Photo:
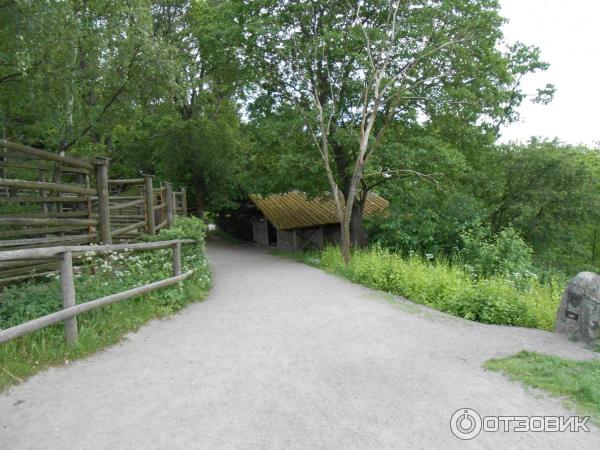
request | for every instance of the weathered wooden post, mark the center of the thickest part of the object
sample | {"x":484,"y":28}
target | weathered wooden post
{"x":103,"y":206}
{"x":161,"y":201}
{"x":169,"y":198}
{"x":68,"y":295}
{"x":183,"y":202}
{"x":149,"y":204}
{"x":90,"y":209}
{"x":81,"y":180}
{"x":43,"y":193}
{"x":177,"y":258}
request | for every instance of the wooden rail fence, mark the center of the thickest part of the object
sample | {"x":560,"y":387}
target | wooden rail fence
{"x":71,"y":310}
{"x":47,"y":199}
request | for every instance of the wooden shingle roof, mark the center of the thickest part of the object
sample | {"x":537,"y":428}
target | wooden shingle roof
{"x":296,"y":210}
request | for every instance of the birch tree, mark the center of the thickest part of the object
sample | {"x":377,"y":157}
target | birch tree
{"x":352,"y":68}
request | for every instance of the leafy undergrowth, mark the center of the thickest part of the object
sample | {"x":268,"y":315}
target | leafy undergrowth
{"x":449,"y":288}
{"x":105,"y":326}
{"x":577,"y":381}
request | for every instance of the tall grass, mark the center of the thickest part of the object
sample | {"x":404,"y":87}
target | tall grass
{"x":451,"y":288}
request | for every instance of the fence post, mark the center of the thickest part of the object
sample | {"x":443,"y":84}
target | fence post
{"x":43,"y":193}
{"x":103,"y":209}
{"x":183,"y":203}
{"x":68,"y":295}
{"x":177,"y":258}
{"x":161,"y":200}
{"x":149,"y":204}
{"x":169,"y":198}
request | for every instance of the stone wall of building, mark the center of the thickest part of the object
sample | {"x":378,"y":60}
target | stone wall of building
{"x":260,"y":231}
{"x":285,"y":240}
{"x":303,"y":238}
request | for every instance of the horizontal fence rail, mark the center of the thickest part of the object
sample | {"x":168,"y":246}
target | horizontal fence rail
{"x":68,"y":200}
{"x":39,"y":253}
{"x":71,"y":310}
{"x":42,"y":154}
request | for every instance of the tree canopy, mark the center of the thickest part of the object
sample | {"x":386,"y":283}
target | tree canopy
{"x":404,"y":98}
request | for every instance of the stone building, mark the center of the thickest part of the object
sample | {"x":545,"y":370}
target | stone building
{"x":293,"y":221}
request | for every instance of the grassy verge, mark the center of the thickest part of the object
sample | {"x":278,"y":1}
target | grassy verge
{"x":106,"y":326}
{"x":447,"y":288}
{"x":577,"y":381}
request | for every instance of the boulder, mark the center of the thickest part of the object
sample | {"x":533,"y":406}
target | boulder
{"x":579,"y":312}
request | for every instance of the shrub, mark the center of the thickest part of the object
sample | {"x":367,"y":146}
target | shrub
{"x":450,"y":288}
{"x":183,"y":228}
{"x":505,"y":253}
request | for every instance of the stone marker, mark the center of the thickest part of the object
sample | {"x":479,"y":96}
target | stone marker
{"x":579,"y":311}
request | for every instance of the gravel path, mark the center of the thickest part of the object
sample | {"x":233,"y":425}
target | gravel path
{"x":283,"y":355}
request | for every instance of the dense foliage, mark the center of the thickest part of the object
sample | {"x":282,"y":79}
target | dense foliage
{"x":440,"y":285}
{"x":227,"y":97}
{"x":101,"y":276}
{"x":151,"y":84}
{"x":355,"y":70}
{"x":546,"y":192}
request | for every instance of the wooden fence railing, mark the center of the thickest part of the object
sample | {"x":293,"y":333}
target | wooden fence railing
{"x":48,"y":199}
{"x":71,"y":310}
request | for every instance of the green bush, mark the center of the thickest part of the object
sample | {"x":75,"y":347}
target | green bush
{"x":183,"y":228}
{"x":450,"y":288}
{"x":505,"y":253}
{"x":114,"y":273}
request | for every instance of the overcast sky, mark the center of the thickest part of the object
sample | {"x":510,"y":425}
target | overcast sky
{"x":568,"y":33}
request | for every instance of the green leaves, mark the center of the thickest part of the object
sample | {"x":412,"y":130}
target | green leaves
{"x":82,"y":65}
{"x":449,"y":288}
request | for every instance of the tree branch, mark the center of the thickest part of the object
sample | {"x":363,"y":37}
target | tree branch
{"x":10,"y":77}
{"x":110,"y":102}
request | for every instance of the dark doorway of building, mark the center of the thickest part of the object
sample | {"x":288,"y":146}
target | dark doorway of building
{"x":272,"y":231}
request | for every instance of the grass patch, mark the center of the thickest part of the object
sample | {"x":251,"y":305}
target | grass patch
{"x":105,"y":326}
{"x":446,"y":287}
{"x":577,"y":381}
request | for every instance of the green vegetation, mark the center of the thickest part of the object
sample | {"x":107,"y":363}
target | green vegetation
{"x":545,"y":192}
{"x":105,"y":326}
{"x":236,"y":97}
{"x":225,"y":97}
{"x":577,"y":381}
{"x":450,"y":288}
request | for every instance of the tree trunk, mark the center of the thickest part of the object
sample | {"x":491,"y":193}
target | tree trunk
{"x":345,"y":241}
{"x":360,"y":237}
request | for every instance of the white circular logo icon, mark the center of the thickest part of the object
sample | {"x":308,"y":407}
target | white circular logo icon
{"x":465,"y":424}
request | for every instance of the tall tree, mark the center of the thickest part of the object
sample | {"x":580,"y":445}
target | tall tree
{"x":352,"y":68}
{"x":72,"y":70}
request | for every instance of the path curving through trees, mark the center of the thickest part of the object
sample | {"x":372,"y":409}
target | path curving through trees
{"x":283,"y":355}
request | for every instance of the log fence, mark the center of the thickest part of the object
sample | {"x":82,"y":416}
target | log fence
{"x":48,"y":199}
{"x":70,"y":309}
